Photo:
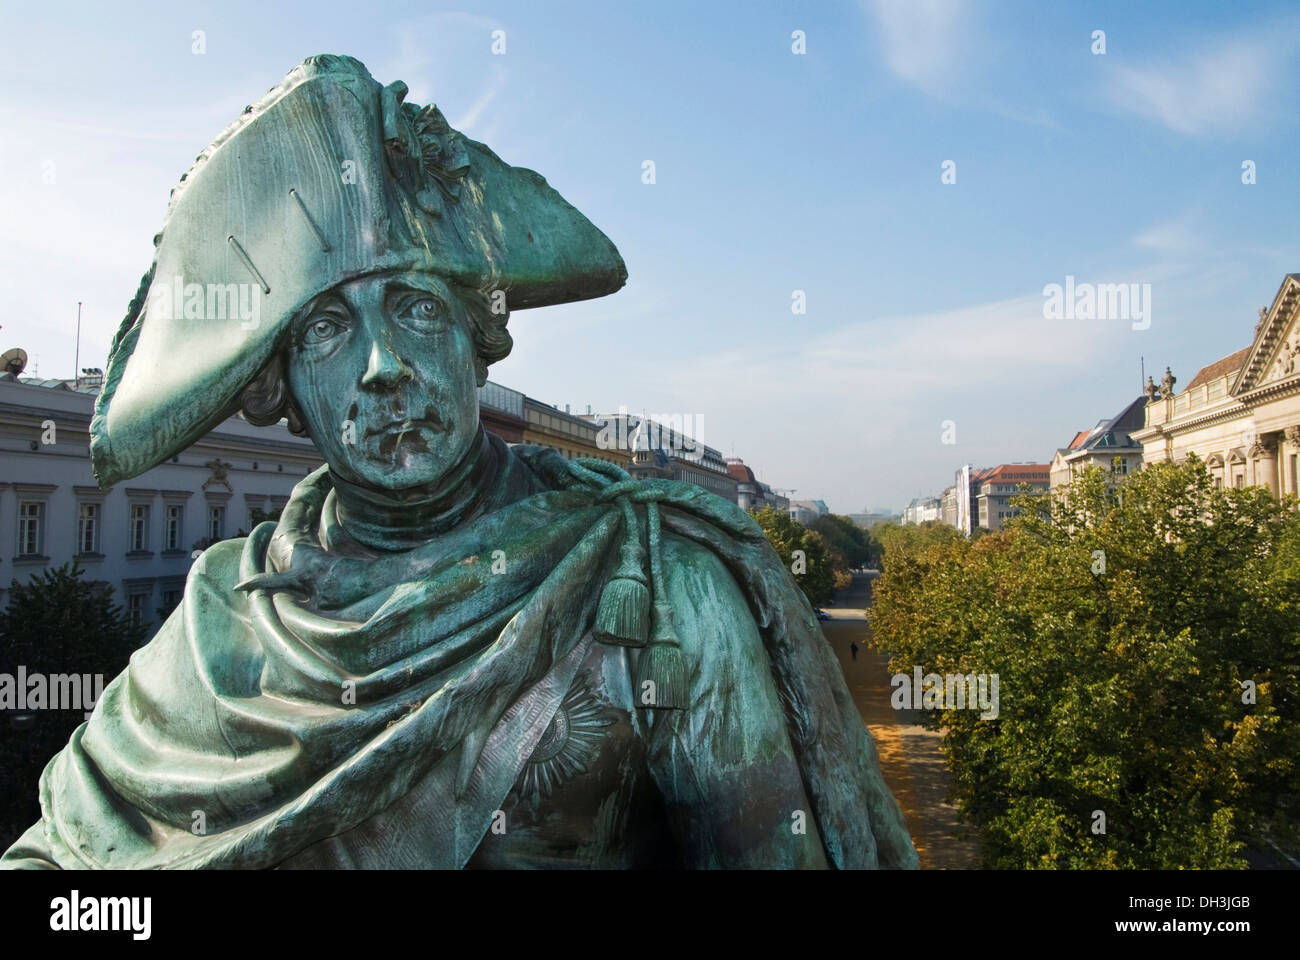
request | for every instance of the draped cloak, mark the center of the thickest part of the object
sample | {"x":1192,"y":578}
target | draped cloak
{"x":389,"y":702}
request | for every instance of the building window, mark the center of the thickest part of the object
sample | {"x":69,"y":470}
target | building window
{"x":88,"y":528}
{"x":216,"y":521}
{"x":171,"y":600}
{"x":1240,"y":481}
{"x":174,"y":514}
{"x":135,"y":608}
{"x":139,"y":526}
{"x":31,"y":513}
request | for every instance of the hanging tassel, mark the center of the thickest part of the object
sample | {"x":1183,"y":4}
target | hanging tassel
{"x":662,"y":678}
{"x":623,"y":617}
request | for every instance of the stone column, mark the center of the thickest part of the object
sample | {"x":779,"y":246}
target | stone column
{"x":1263,"y":458}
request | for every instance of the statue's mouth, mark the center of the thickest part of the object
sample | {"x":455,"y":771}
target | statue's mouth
{"x":431,"y":421}
{"x":409,"y":434}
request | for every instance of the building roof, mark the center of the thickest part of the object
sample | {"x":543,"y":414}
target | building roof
{"x":740,"y":472}
{"x":1220,"y":368}
{"x":1116,"y":431}
{"x":1019,"y":473}
{"x":1077,"y":442}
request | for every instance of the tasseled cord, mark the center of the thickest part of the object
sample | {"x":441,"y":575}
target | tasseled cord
{"x":624,"y":617}
{"x":662,"y":680}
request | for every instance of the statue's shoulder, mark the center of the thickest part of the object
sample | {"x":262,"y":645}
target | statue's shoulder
{"x":219,"y":563}
{"x":711,"y":610}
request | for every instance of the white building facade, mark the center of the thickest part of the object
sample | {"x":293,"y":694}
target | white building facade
{"x":139,"y":536}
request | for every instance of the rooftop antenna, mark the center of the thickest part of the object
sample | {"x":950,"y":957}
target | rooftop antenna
{"x":76,"y":364}
{"x":1142,"y":378}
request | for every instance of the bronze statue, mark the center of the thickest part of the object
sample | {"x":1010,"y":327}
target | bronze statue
{"x":447,"y":652}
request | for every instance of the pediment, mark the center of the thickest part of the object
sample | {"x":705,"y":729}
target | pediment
{"x":1275,"y":354}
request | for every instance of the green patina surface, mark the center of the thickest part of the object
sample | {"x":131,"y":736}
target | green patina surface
{"x":447,"y":652}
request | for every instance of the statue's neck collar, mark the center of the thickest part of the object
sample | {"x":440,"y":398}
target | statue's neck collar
{"x":401,"y":519}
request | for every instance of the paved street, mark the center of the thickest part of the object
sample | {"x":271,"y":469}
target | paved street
{"x":909,"y":753}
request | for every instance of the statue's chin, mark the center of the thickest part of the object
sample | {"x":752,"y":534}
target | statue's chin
{"x":400,"y":473}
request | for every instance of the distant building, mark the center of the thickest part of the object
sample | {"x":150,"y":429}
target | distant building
{"x":807,"y":511}
{"x":948,"y":506}
{"x":501,"y":411}
{"x":659,"y":450}
{"x":996,"y":487}
{"x":570,"y":435}
{"x":868,"y":520}
{"x":776,"y":500}
{"x":923,"y":510}
{"x":752,"y":494}
{"x":1240,"y":414}
{"x":1109,"y":445}
{"x":138,"y":536}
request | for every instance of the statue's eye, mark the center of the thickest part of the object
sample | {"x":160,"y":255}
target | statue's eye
{"x":421,"y":310}
{"x":321,"y":329}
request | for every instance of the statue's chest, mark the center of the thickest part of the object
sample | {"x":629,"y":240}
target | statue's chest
{"x":585,"y":797}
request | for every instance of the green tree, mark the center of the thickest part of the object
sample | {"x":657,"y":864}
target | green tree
{"x":1130,"y":628}
{"x":898,"y":540}
{"x":846,"y":539}
{"x":814,"y":569}
{"x":56,"y":623}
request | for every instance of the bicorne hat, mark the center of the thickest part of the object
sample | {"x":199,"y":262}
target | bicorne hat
{"x":328,"y":177}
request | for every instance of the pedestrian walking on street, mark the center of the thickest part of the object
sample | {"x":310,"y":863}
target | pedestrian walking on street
{"x":853,"y":649}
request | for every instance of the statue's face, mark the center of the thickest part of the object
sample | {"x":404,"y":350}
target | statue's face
{"x":382,"y":368}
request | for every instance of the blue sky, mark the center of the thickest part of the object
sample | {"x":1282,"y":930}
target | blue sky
{"x":775,"y":172}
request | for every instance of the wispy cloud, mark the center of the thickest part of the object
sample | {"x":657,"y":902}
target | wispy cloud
{"x":1220,"y":88}
{"x":467,"y":120}
{"x":1185,"y":233}
{"x":925,"y":41}
{"x":943,"y":48}
{"x":887,"y":385}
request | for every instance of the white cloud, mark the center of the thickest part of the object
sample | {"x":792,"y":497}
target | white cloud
{"x":466,"y":121}
{"x":924,"y":41}
{"x":1183,"y":234}
{"x":1220,"y":88}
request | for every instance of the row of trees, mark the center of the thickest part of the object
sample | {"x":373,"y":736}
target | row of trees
{"x":821,"y":555}
{"x":1147,"y":643}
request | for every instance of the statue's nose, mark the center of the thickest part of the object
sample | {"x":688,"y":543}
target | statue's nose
{"x":384,"y":368}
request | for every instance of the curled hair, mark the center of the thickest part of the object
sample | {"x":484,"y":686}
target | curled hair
{"x":267,"y":399}
{"x":492,"y":341}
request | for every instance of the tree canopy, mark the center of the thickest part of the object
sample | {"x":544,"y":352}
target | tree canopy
{"x":1147,"y":641}
{"x":814,"y":570}
{"x":56,"y":623}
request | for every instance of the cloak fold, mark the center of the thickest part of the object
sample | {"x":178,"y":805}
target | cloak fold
{"x":258,"y":723}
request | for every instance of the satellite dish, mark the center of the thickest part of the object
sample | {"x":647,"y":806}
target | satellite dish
{"x":13,"y":361}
